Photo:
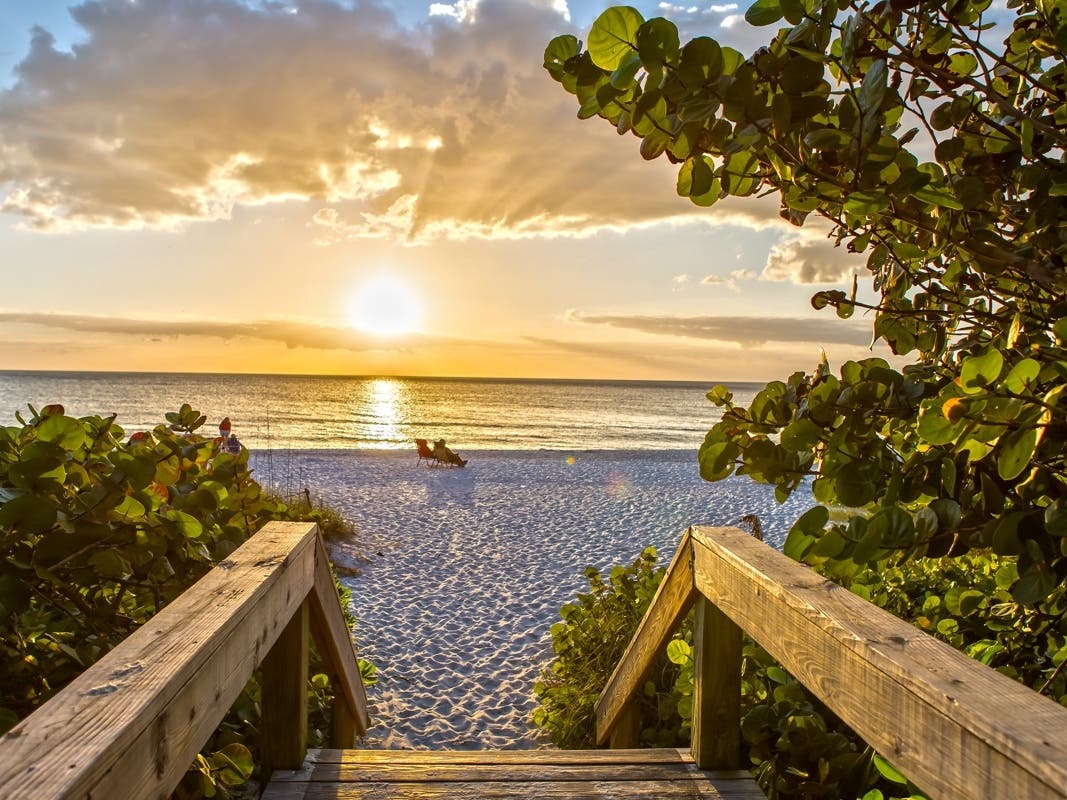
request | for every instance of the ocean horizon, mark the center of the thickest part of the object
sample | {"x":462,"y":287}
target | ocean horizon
{"x":313,"y":412}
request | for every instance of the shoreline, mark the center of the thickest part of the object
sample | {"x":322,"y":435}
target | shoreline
{"x":463,"y":571}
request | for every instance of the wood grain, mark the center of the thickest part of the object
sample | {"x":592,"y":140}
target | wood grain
{"x":130,"y":725}
{"x":955,"y":727}
{"x":285,"y":696}
{"x":716,"y":689}
{"x":672,"y":602}
{"x":468,"y":775}
{"x":334,"y":642}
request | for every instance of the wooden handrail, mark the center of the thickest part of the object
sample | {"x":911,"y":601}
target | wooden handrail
{"x":130,"y":725}
{"x":955,"y":727}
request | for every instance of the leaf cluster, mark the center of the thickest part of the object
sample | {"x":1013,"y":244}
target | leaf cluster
{"x":588,"y":643}
{"x":967,"y":446}
{"x":99,"y":531}
{"x":797,"y":747}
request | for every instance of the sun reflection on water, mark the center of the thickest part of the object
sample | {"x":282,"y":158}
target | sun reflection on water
{"x":381,"y":406}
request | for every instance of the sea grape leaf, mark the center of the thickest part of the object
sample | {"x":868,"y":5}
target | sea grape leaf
{"x":614,"y":36}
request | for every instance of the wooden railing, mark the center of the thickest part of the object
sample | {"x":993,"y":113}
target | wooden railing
{"x":130,"y":725}
{"x":955,"y":727}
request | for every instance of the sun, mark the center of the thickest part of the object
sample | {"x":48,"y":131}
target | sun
{"x":385,"y":306}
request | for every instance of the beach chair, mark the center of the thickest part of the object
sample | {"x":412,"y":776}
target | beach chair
{"x":425,"y":452}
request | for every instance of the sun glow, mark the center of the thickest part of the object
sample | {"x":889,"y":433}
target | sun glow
{"x":385,"y":307}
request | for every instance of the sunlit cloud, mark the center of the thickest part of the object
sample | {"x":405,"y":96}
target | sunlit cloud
{"x":170,"y":112}
{"x":744,"y":331}
{"x":810,"y":258}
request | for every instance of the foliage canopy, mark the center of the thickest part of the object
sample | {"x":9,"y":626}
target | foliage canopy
{"x":939,"y":154}
{"x":98,"y":532}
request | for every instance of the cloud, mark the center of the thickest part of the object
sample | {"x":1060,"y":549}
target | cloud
{"x":745,"y":331}
{"x":810,"y":258}
{"x":731,"y":281}
{"x":291,"y":334}
{"x":170,"y":112}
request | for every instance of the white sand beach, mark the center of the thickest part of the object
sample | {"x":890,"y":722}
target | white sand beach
{"x":463,"y":571}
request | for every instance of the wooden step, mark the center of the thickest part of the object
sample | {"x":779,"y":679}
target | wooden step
{"x":472,"y":774}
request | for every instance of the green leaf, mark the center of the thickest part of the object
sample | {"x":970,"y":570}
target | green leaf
{"x":805,"y":532}
{"x":185,"y":524}
{"x":764,"y":12}
{"x":679,"y":651}
{"x":888,"y":771}
{"x":657,"y":42}
{"x":981,"y":371}
{"x":66,"y":432}
{"x":14,"y":595}
{"x":28,"y":513}
{"x":873,"y":90}
{"x":701,"y":63}
{"x":1022,"y":375}
{"x":1015,"y":451}
{"x":614,"y":36}
{"x":623,"y":76}
{"x":893,"y":526}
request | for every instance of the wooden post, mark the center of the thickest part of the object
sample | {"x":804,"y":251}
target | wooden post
{"x":342,"y":723}
{"x":284,"y":697}
{"x":716,"y":689}
{"x":627,"y":731}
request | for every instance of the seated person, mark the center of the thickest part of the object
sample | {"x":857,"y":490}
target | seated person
{"x":443,"y":454}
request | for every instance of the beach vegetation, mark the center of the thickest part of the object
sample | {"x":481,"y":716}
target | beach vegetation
{"x":929,"y":138}
{"x":101,"y":530}
{"x":588,"y":642}
{"x":906,"y":134}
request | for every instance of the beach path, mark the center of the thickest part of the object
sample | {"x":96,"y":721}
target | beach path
{"x":471,"y":775}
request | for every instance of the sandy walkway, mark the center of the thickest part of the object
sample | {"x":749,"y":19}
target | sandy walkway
{"x":468,"y":569}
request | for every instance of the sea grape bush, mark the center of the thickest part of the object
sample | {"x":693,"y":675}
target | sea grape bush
{"x":796,"y":746}
{"x":839,"y":116}
{"x":588,"y":642}
{"x":99,"y":531}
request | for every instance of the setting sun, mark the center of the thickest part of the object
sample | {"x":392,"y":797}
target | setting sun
{"x":385,"y":307}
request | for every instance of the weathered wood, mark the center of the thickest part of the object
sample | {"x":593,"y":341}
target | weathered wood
{"x":285,"y":696}
{"x":649,"y":755}
{"x":955,"y":727}
{"x":469,"y":775}
{"x":519,"y":790}
{"x":342,"y":723}
{"x":626,"y":732}
{"x":130,"y":725}
{"x":668,"y":608}
{"x":716,"y":689}
{"x":334,"y":642}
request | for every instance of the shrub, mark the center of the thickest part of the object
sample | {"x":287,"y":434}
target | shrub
{"x":796,"y":746}
{"x":97,"y":533}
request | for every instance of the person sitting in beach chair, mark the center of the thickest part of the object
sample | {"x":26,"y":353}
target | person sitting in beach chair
{"x":425,"y":453}
{"x":446,"y":456}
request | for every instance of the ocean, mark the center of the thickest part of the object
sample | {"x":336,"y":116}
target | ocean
{"x":294,"y":412}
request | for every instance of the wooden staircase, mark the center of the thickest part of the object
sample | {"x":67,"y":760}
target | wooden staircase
{"x":467,"y":775}
{"x":130,"y":725}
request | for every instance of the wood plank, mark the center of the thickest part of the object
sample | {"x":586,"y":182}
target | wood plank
{"x":668,"y":755}
{"x":130,"y":725}
{"x":285,"y":696}
{"x":957,"y":728}
{"x":517,"y":790}
{"x":668,"y":608}
{"x":412,"y":772}
{"x":334,"y":642}
{"x":716,"y":689}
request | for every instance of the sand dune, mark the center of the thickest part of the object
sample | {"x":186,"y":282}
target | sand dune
{"x":463,"y":571}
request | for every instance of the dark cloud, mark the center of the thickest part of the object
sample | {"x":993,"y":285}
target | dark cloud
{"x":747,"y":331}
{"x":291,"y":334}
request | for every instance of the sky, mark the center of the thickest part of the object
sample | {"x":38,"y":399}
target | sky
{"x":372,"y":188}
